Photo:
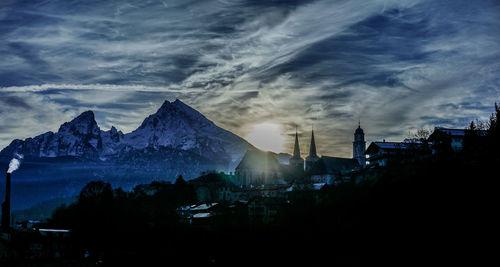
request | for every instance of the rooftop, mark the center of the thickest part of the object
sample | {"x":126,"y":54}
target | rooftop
{"x":454,"y":132}
{"x":394,"y":146}
{"x":334,"y":164}
{"x":259,"y":160}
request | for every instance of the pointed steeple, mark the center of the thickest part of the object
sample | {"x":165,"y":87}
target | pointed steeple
{"x":296,"y":148}
{"x":313,"y":157}
{"x":312,"y":147}
{"x":296,"y":162}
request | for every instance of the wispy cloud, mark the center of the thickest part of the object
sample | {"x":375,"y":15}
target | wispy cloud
{"x":100,"y":87}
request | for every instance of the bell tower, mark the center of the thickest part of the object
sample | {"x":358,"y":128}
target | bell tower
{"x":359,"y":146}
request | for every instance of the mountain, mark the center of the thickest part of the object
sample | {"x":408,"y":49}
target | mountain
{"x":79,"y":137}
{"x":175,"y":140}
{"x":175,"y":125}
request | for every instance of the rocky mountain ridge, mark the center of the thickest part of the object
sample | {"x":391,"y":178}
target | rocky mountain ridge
{"x":175,"y":127}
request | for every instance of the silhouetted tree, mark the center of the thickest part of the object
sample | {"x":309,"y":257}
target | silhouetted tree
{"x":180,"y":181}
{"x":97,"y":192}
{"x":494,"y":130}
{"x":471,"y":144}
{"x":494,"y":124}
{"x":420,"y":134}
{"x":472,"y":126}
{"x":185,"y":193}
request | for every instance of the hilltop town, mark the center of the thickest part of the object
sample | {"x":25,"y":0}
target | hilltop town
{"x":261,"y":181}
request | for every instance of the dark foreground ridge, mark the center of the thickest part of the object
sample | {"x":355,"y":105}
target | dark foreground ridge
{"x":432,"y":211}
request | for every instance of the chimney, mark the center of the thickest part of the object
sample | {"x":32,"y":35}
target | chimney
{"x":6,"y":206}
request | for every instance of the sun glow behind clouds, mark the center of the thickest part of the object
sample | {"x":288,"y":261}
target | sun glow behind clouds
{"x":267,"y":136}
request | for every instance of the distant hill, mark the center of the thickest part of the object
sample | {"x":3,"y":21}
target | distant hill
{"x":43,"y":210}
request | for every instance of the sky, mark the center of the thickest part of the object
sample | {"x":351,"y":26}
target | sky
{"x":395,"y":65}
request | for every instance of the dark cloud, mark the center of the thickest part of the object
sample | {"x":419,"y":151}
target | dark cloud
{"x":15,"y":102}
{"x":247,"y":95}
{"x":363,"y":52}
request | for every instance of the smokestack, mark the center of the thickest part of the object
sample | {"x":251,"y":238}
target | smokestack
{"x":6,"y":206}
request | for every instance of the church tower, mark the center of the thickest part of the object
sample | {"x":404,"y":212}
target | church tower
{"x":359,"y":146}
{"x":296,"y":161}
{"x":312,"y":158}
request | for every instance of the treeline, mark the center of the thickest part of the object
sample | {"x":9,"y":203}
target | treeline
{"x":105,"y":221}
{"x":483,"y":137}
{"x":432,"y":210}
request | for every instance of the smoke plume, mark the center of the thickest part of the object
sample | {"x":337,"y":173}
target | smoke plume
{"x":15,"y":163}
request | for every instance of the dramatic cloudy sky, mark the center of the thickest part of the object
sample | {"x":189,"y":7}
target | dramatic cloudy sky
{"x":397,"y":65}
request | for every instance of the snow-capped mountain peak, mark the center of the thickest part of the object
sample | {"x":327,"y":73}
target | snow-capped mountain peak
{"x":79,"y":137}
{"x":175,"y":111}
{"x":83,"y":124}
{"x":175,"y":125}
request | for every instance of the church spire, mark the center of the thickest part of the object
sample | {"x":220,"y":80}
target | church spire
{"x":296,"y":162}
{"x":296,"y":148}
{"x":312,"y":147}
{"x":313,"y":157}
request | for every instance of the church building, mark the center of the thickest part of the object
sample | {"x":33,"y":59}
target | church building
{"x":359,"y":146}
{"x":326,"y":169}
{"x":257,"y":167}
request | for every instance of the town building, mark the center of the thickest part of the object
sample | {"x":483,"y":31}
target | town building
{"x":215,"y":187}
{"x":445,"y":139}
{"x":333,"y":170}
{"x":265,"y":209}
{"x":382,"y":153}
{"x":197,"y":214}
{"x":258,"y":167}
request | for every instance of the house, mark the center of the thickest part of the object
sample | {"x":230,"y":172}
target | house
{"x":197,"y":214}
{"x":231,"y":194}
{"x":381,"y":153}
{"x":445,"y":139}
{"x":27,"y":225}
{"x":330,"y":170}
{"x":213,"y":187}
{"x":265,"y":209}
